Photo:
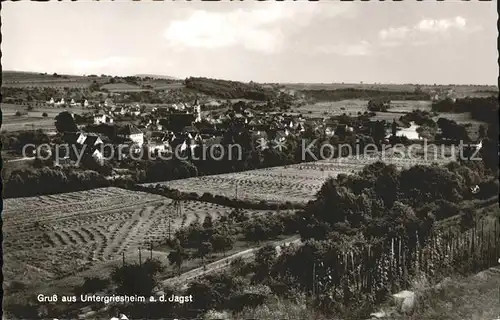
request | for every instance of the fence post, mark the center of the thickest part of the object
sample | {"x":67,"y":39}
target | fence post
{"x":489,"y":251}
{"x":474,"y":247}
{"x":496,"y":236}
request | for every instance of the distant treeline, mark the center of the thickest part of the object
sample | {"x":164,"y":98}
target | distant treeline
{"x":28,"y":182}
{"x":351,"y":93}
{"x":217,"y":199}
{"x":229,"y":89}
{"x":482,"y":109}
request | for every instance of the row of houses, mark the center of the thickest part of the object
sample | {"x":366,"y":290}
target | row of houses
{"x":107,"y":117}
{"x":72,"y":102}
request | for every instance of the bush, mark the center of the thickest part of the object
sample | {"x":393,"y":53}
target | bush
{"x":137,"y":279}
{"x":26,"y":183}
{"x":92,"y":285}
{"x":216,"y":315}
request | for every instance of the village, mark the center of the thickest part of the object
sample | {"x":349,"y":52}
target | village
{"x":163,"y":129}
{"x":235,"y":161}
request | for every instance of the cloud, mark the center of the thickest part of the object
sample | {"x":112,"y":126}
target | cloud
{"x":441,"y":25}
{"x":418,"y":33}
{"x":394,"y":33}
{"x":259,"y":29}
{"x":363,"y":48}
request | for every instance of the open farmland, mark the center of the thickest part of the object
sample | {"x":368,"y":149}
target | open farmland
{"x":296,"y":183}
{"x":58,"y":84}
{"x":353,"y":106}
{"x":333,"y":108}
{"x":27,"y":80}
{"x":163,"y":84}
{"x":18,"y":79}
{"x":388,"y":116}
{"x":410,"y":105}
{"x":52,"y":111}
{"x":122,"y":87}
{"x":33,"y":119}
{"x":54,"y":236}
{"x":360,"y":86}
{"x":15,"y":123}
{"x":460,"y":90}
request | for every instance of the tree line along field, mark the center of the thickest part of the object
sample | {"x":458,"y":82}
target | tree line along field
{"x":472,"y":125}
{"x":297,"y":183}
{"x":56,"y":236}
{"x":460,"y":89}
{"x":146,"y":85}
{"x":18,"y":79}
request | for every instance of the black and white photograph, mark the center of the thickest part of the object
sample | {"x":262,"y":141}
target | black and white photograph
{"x":234,"y":160}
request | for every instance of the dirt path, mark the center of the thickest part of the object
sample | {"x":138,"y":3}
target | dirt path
{"x":183,"y":280}
{"x":21,"y":159}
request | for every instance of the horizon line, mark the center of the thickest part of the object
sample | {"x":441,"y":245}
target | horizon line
{"x":176,"y":78}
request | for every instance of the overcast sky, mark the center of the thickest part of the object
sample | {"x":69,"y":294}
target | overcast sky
{"x":405,"y":42}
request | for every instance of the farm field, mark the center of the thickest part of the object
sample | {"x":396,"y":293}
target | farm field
{"x":11,"y":109}
{"x":410,"y":105}
{"x":352,"y":107}
{"x":163,"y":85}
{"x":122,"y":87}
{"x":19,"y":79}
{"x":56,"y":236}
{"x":15,"y":123}
{"x":462,"y":90}
{"x":79,"y":84}
{"x":333,"y":108}
{"x":388,"y":116}
{"x":33,"y":119}
{"x":336,"y":86}
{"x":296,"y":183}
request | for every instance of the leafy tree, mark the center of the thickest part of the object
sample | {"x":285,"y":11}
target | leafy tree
{"x":237,"y":215}
{"x":208,"y":223}
{"x":65,"y":122}
{"x":387,"y":185}
{"x":256,"y":231}
{"x":265,"y":258}
{"x":378,"y":131}
{"x":211,"y":297}
{"x":92,"y":285}
{"x":136,"y":279}
{"x":222,"y":241}
{"x":378,"y":105}
{"x":203,"y":250}
{"x":451,"y":130}
{"x":482,"y":131}
{"x":177,"y":257}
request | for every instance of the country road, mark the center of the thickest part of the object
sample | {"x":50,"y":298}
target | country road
{"x":181,"y":282}
{"x":21,"y":159}
{"x":184,"y":279}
